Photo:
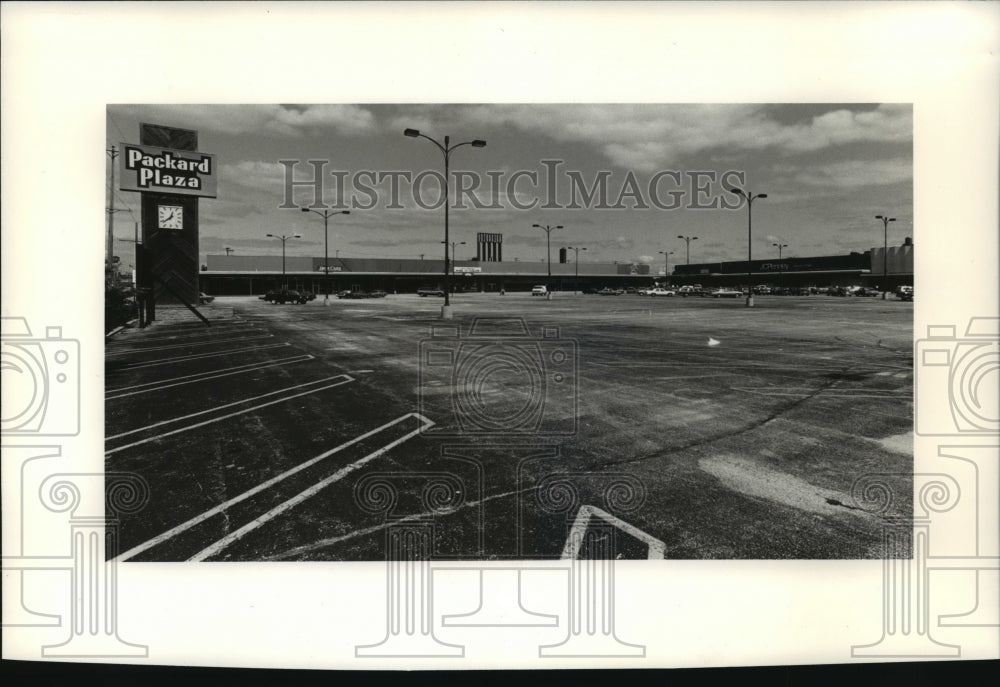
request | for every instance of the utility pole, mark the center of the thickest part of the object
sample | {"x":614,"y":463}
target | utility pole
{"x":113,"y":154}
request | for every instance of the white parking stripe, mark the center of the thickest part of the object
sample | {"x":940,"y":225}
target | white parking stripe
{"x":138,"y":338}
{"x":227,"y":405}
{"x":300,"y":497}
{"x":197,"y":356}
{"x":171,"y":533}
{"x":201,"y":376}
{"x":187,"y":428}
{"x":189,"y":345}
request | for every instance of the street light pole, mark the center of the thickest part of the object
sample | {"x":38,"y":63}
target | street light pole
{"x":780,"y":264}
{"x":548,"y":240}
{"x":326,"y":215}
{"x":284,"y":283}
{"x":885,"y":249}
{"x":576,"y":265}
{"x":453,"y":244}
{"x":666,"y":258}
{"x":688,"y":240}
{"x":446,"y":150}
{"x":750,"y":198}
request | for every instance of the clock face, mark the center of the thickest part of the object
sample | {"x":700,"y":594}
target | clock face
{"x":170,"y":217}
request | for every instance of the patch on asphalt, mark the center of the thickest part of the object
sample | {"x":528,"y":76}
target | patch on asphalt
{"x":759,"y":481}
{"x":898,"y":443}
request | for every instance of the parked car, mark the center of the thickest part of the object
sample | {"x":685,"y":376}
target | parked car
{"x":726,"y":293}
{"x":539,"y":290}
{"x":660,"y":291}
{"x":608,"y":291}
{"x":378,"y":293}
{"x":905,"y":293}
{"x":430,"y":291}
{"x":289,"y":296}
{"x":204,"y":298}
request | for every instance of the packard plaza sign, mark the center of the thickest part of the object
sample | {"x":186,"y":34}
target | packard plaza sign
{"x":163,"y":170}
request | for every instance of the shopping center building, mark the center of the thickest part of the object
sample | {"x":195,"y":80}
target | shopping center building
{"x":231,"y":275}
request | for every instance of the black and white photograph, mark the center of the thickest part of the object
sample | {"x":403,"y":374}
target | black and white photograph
{"x":629,"y":331}
{"x":423,"y":336}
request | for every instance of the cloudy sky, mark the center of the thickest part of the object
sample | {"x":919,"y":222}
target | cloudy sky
{"x":827,"y":171}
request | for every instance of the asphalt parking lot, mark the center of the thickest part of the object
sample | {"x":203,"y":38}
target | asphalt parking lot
{"x":702,"y":428}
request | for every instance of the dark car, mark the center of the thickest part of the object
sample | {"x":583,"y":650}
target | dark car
{"x":289,"y":296}
{"x":430,"y":291}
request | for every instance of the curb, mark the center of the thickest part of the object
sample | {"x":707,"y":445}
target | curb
{"x":118,"y":329}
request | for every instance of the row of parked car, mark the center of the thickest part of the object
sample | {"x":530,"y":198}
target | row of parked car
{"x":683,"y":292}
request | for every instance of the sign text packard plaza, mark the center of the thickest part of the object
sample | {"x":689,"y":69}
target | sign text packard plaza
{"x":148,"y":168}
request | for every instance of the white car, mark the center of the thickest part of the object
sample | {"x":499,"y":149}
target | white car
{"x":539,"y":291}
{"x":726,"y":293}
{"x":660,"y":291}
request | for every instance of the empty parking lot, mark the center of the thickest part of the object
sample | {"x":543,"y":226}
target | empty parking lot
{"x":305,"y":432}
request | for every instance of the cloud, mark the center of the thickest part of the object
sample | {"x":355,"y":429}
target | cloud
{"x":650,"y":137}
{"x":289,"y":120}
{"x":857,"y":173}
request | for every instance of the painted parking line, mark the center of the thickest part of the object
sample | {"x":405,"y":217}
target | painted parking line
{"x":303,"y":495}
{"x":138,"y":338}
{"x":199,"y":356}
{"x":173,"y":532}
{"x":344,"y":379}
{"x":188,"y":345}
{"x":571,"y":549}
{"x":201,"y":376}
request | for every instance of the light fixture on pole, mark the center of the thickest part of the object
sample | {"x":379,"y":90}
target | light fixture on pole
{"x":548,"y":241}
{"x":446,"y":150}
{"x":666,"y":258}
{"x":885,"y":249}
{"x":781,"y":265}
{"x":326,"y":215}
{"x":284,"y":284}
{"x":576,"y":264}
{"x":687,"y":240}
{"x":229,"y":251}
{"x":453,"y":244}
{"x":750,"y":198}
